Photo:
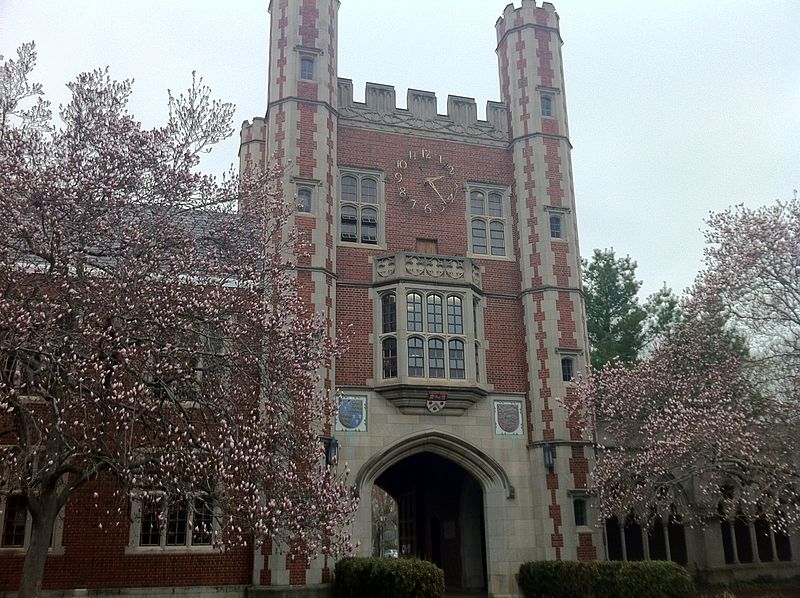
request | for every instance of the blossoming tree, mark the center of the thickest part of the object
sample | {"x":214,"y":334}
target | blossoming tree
{"x":150,"y":333}
{"x":707,"y":424}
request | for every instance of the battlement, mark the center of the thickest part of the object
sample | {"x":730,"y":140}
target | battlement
{"x":253,"y":131}
{"x":380,"y":107}
{"x":527,"y":14}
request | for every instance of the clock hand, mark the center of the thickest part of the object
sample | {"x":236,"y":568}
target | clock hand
{"x":430,"y":181}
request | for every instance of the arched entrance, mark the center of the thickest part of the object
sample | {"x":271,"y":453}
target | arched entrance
{"x":440,"y":516}
{"x":444,"y":487}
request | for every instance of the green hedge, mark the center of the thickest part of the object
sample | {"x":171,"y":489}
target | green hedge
{"x":604,"y":579}
{"x":387,"y":578}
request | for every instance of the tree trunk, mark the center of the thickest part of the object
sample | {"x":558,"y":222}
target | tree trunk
{"x":42,"y":524}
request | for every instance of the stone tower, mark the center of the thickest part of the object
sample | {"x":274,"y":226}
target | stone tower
{"x":532,"y":87}
{"x":299,"y":131}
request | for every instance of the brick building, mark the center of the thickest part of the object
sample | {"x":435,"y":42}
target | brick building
{"x":447,"y":249}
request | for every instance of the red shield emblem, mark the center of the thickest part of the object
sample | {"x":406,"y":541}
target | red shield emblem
{"x":508,"y":418}
{"x":436,"y":401}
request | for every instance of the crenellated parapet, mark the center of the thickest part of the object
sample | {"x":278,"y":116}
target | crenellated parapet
{"x":255,"y":131}
{"x":527,"y":14}
{"x":380,"y":110}
{"x":252,"y":143}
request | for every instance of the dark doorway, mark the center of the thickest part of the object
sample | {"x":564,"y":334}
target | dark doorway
{"x":440,"y":517}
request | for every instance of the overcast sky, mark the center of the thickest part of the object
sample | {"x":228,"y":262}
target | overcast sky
{"x":676,"y":108}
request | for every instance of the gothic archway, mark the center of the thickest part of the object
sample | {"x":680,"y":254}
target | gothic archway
{"x":442,"y":485}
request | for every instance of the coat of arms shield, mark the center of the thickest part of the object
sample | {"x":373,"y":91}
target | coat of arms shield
{"x":508,"y":417}
{"x":351,"y":412}
{"x":436,"y":401}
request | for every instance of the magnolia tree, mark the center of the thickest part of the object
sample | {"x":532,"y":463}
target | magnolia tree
{"x":753,"y":280}
{"x":707,"y":424}
{"x":148,"y":332}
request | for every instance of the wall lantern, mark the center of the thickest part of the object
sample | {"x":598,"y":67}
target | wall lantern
{"x":331,"y":449}
{"x":549,"y":453}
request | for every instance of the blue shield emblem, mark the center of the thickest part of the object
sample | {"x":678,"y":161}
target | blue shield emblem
{"x":351,"y":412}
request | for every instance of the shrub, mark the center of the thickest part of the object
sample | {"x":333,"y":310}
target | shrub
{"x":555,"y":579}
{"x":604,"y":579}
{"x":658,"y":579}
{"x":387,"y":578}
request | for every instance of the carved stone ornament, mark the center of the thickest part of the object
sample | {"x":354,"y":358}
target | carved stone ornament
{"x":415,"y":266}
{"x":385,"y":267}
{"x":436,"y":401}
{"x":435,"y":268}
{"x":454,"y":269}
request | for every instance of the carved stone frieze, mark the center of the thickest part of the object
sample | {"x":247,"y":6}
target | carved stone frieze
{"x":432,"y":268}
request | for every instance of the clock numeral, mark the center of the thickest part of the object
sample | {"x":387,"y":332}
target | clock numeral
{"x":413,"y":203}
{"x":451,"y":170}
{"x":402,"y":163}
{"x":403,"y":192}
{"x":441,"y":160}
{"x":428,"y":208}
{"x":412,"y":155}
{"x":442,"y":207}
{"x":451,"y":198}
{"x":426,"y":153}
{"x":398,"y":177}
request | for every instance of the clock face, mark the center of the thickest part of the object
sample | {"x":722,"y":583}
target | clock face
{"x":425,"y":181}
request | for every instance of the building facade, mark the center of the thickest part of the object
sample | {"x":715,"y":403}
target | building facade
{"x":444,"y":249}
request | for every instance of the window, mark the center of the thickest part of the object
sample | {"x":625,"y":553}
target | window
{"x":437,"y":339}
{"x":175,"y":523}
{"x":15,"y":525}
{"x":579,"y":510}
{"x":567,"y":373}
{"x":416,"y":357}
{"x":15,"y":522}
{"x":547,"y":105}
{"x":456,"y":351}
{"x":389,"y":313}
{"x":360,"y":195}
{"x":389,"y":357}
{"x":307,"y":68}
{"x":489,"y":211}
{"x":304,"y":199}
{"x":555,"y":226}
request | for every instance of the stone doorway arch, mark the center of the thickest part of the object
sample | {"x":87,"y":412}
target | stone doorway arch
{"x":451,"y":497}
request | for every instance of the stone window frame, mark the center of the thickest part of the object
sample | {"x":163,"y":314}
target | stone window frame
{"x":359,"y":206}
{"x":556,"y":226}
{"x":573,"y":356}
{"x":488,"y":219}
{"x":56,"y":542}
{"x":548,"y":107}
{"x":473,"y":335}
{"x":189,"y":546}
{"x":307,"y":56}
{"x":310,"y":185}
{"x":582,"y":495}
{"x":560,"y":213}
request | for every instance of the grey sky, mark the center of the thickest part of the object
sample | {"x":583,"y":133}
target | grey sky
{"x":676,"y":108}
